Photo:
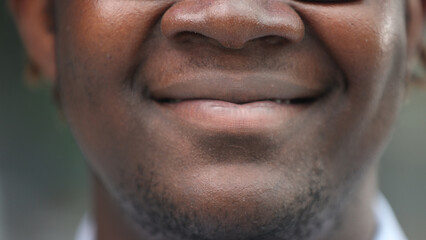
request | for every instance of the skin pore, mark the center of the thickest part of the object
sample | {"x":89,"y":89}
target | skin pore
{"x":228,"y":119}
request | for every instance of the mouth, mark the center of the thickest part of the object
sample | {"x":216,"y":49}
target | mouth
{"x":245,"y":104}
{"x":295,"y":101}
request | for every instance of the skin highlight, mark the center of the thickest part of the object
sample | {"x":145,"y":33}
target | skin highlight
{"x":228,"y":119}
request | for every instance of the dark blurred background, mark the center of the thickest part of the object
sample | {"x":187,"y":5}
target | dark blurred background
{"x":43,"y":179}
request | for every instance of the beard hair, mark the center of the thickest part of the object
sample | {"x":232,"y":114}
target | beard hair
{"x":307,"y":217}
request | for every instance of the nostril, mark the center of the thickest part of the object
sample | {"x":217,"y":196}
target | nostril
{"x":272,"y":40}
{"x":188,"y":36}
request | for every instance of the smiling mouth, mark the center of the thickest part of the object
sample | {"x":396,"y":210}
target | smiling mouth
{"x":261,"y":116}
{"x":238,"y":106}
{"x":295,"y":101}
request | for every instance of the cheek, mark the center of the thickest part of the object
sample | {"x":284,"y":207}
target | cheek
{"x":367,"y":40}
{"x":100,"y":43}
{"x":104,"y":39}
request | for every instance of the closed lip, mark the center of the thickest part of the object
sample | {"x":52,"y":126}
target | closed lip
{"x":242,"y":103}
{"x":239,"y":89}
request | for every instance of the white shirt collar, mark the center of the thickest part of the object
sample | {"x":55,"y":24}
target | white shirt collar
{"x":86,"y":229}
{"x":387,"y":229}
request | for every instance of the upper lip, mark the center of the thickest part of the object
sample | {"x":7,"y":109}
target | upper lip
{"x":238,"y":88}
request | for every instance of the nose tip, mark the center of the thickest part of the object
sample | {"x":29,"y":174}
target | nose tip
{"x":233,"y":23}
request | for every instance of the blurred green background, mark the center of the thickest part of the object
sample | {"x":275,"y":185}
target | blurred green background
{"x":43,"y":179}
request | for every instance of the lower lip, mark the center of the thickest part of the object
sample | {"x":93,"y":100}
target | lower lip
{"x":225,"y":116}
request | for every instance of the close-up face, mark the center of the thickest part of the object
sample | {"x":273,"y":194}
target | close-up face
{"x":231,"y":118}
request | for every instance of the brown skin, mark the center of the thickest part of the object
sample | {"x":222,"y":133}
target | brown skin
{"x":242,"y":167}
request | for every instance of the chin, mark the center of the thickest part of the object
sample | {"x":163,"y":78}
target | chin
{"x":220,"y":203}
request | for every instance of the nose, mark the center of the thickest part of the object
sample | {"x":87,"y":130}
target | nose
{"x":233,"y":23}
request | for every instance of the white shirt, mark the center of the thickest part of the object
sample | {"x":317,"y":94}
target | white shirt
{"x":387,"y":228}
{"x":86,"y":230}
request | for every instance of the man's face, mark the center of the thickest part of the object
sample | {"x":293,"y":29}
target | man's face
{"x":227,"y":117}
